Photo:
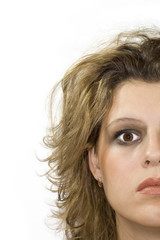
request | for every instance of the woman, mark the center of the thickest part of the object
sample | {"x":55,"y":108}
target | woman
{"x":105,"y":157}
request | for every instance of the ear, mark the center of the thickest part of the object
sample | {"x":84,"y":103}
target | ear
{"x":94,"y":164}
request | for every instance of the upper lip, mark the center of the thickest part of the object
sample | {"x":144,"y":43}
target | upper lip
{"x":148,"y":183}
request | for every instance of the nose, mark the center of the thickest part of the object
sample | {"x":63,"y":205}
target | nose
{"x":152,"y":155}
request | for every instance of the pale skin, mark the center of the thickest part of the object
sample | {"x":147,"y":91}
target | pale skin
{"x":123,"y":164}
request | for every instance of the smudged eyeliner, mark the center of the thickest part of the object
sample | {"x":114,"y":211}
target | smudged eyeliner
{"x":123,"y":131}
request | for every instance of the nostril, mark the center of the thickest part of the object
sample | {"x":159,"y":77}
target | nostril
{"x":147,"y":162}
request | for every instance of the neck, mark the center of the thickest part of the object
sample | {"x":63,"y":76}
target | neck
{"x":128,"y":230}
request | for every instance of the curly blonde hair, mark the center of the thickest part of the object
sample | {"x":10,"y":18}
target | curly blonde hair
{"x":88,"y":88}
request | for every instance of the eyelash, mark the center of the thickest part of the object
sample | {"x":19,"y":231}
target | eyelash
{"x":126,"y":131}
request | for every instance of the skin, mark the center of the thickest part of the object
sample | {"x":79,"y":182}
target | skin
{"x":123,"y":164}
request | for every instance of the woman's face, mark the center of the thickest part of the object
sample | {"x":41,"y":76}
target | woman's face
{"x":129,"y":152}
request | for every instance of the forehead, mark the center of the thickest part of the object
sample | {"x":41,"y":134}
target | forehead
{"x":135,"y":99}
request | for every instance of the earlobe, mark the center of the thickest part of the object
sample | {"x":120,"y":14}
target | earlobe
{"x":94,"y":163}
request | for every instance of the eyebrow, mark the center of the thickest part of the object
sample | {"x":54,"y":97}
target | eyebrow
{"x":124,"y":120}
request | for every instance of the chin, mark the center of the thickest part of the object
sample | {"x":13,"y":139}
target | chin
{"x":144,"y":217}
{"x":150,"y":218}
{"x":151,"y":215}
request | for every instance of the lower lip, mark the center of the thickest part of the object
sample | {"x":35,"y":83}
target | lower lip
{"x":152,"y":190}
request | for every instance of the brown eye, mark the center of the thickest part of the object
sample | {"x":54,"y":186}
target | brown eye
{"x":127,"y":137}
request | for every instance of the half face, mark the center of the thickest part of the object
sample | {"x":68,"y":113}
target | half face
{"x":129,"y":152}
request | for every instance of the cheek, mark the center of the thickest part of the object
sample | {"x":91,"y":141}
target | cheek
{"x":119,"y":171}
{"x":121,"y":175}
{"x":114,"y":175}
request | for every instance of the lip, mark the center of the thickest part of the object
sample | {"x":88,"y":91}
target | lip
{"x":150,"y":186}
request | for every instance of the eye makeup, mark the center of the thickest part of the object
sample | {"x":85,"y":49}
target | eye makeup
{"x":127,"y":136}
{"x":125,"y":131}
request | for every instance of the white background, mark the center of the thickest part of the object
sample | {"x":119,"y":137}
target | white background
{"x":39,"y":40}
